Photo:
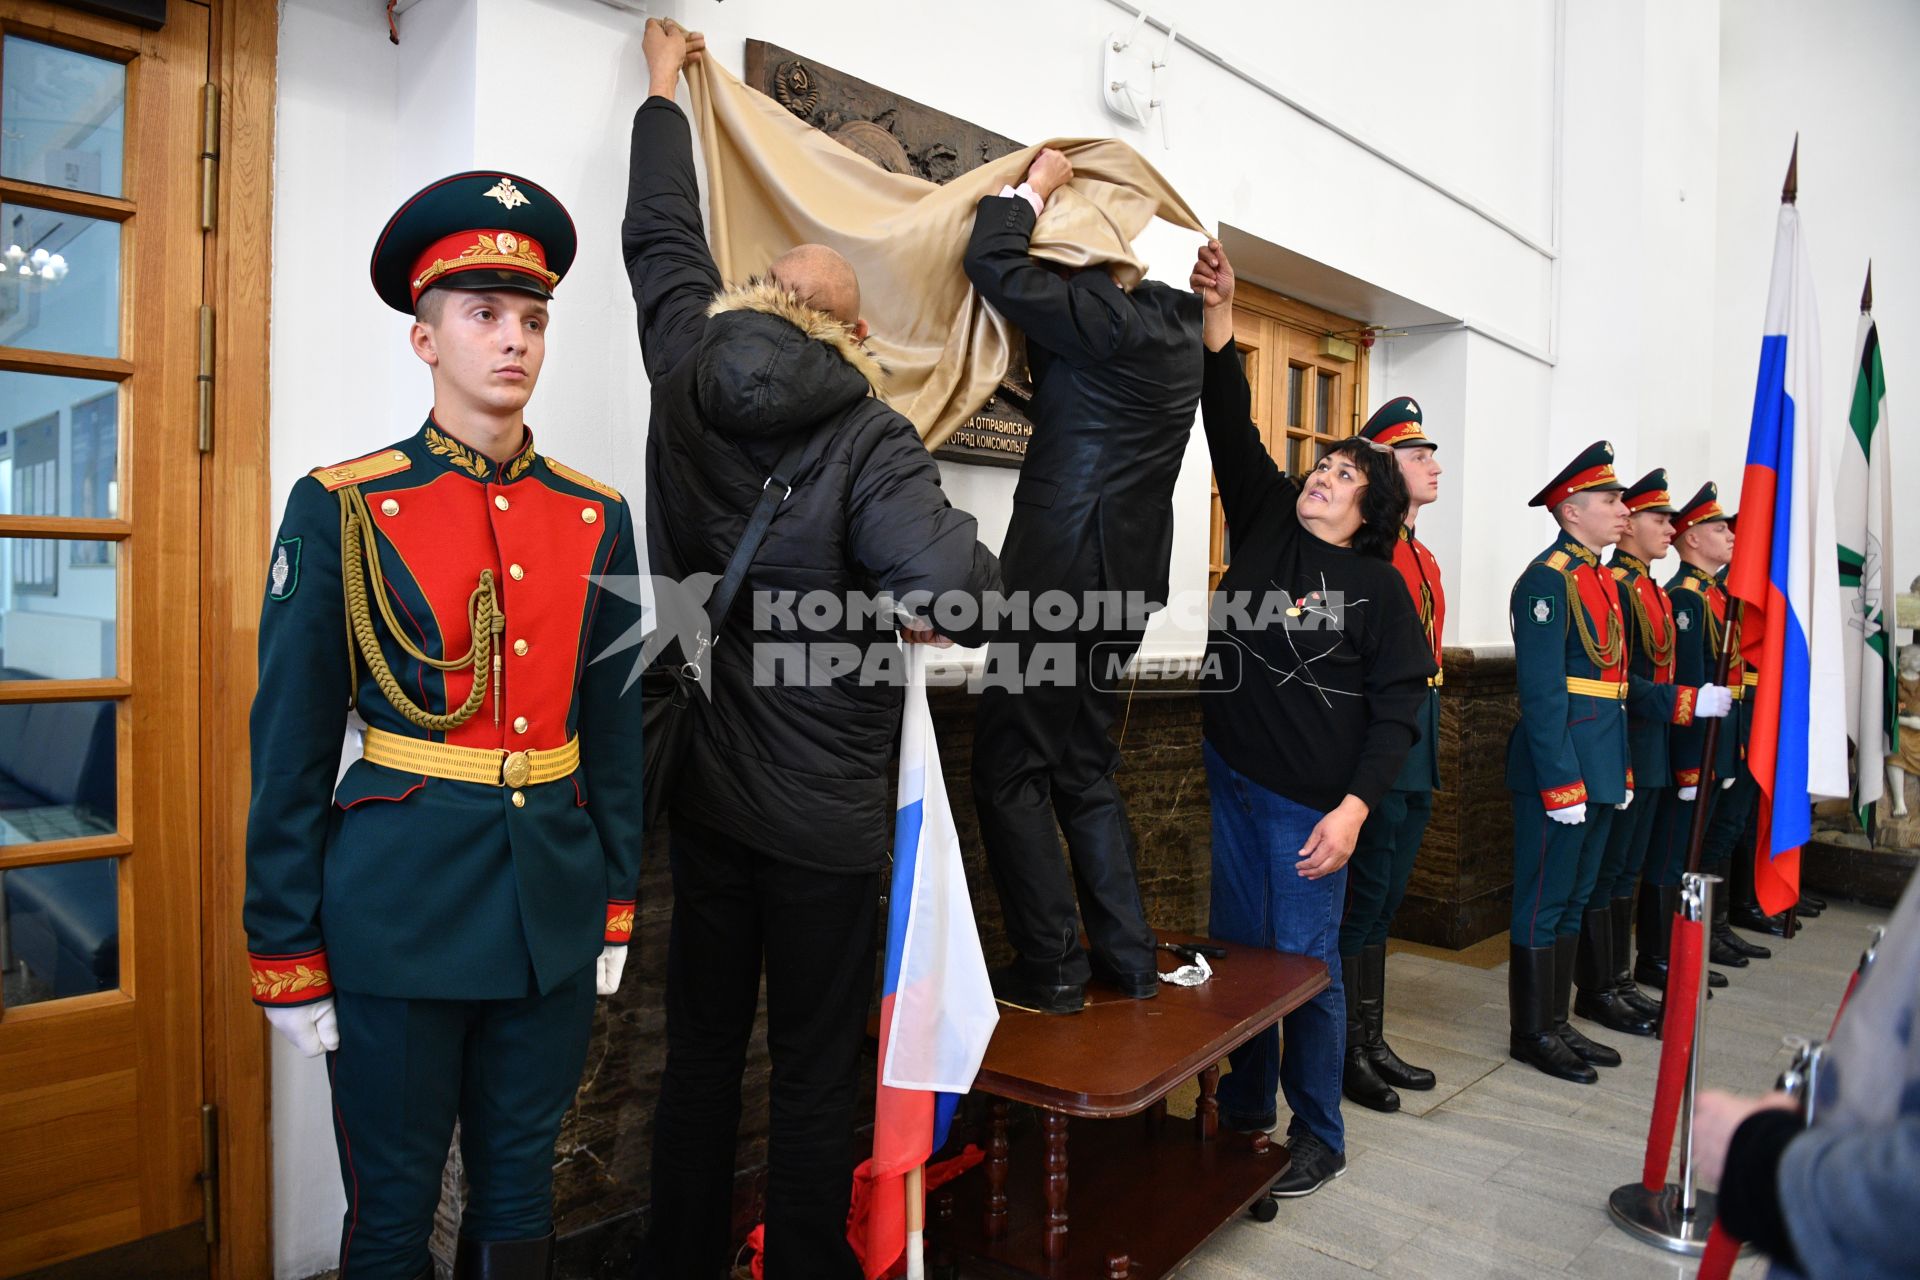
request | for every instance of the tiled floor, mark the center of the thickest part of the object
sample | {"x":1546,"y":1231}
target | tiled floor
{"x":1502,"y":1171}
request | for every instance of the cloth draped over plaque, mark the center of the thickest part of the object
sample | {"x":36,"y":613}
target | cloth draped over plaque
{"x":773,"y":181}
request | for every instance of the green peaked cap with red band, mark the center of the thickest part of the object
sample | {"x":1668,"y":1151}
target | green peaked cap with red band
{"x":1397,"y":424}
{"x":1591,"y":470}
{"x":1702,"y":508}
{"x":1649,"y":493}
{"x":484,"y":229}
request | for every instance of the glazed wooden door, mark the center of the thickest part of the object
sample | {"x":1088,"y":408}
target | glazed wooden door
{"x":100,"y":948}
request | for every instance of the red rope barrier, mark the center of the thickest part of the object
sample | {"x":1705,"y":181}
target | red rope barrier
{"x":1686,"y":954}
{"x":1721,"y":1253}
{"x":1853,"y":980}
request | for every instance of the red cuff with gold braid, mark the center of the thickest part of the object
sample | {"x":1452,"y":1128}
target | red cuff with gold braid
{"x":619,"y":923}
{"x":290,"y":980}
{"x":1629,"y":777}
{"x":1564,"y":797}
{"x":1683,"y":704}
{"x":1686,"y":777}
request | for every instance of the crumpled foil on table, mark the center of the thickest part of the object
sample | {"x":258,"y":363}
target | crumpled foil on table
{"x":1190,"y":975}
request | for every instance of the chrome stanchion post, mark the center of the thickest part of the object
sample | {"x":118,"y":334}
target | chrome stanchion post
{"x":1678,"y":1216}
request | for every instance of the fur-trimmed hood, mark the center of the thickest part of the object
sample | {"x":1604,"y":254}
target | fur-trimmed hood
{"x":769,"y":364}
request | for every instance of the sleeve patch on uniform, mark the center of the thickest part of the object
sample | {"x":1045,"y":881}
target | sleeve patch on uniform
{"x":1683,"y":619}
{"x":1540,"y":609}
{"x":283,"y":575}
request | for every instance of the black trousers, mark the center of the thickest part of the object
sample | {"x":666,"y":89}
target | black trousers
{"x":1044,"y":754}
{"x":735,"y":909}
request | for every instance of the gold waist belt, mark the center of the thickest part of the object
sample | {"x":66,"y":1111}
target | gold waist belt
{"x":489,"y":766}
{"x":1437,"y":679}
{"x":1614,"y":689}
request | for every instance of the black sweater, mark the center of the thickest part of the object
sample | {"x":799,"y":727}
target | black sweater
{"x":1323,"y":702}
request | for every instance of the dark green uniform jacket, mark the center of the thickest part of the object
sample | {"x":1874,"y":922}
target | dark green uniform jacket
{"x":1654,"y":701}
{"x":1570,"y":745}
{"x":395,"y":883}
{"x":1699,"y":622}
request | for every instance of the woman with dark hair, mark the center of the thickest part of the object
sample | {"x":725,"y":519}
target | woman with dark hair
{"x":1318,"y":668}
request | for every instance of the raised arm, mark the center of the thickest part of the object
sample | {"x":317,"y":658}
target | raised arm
{"x":1085,"y":318}
{"x":1244,"y":471}
{"x":671,"y":269}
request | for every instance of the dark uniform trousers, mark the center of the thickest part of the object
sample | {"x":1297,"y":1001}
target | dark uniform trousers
{"x":736,"y":909}
{"x":1555,"y":867}
{"x":1042,"y":753}
{"x":1381,"y":865}
{"x":393,"y":1114}
{"x":1667,"y":849}
{"x":1627,"y":844}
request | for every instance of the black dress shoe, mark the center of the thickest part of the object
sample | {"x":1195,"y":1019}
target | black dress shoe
{"x":1810,"y":903}
{"x":1638,"y":1001}
{"x":1591,"y":1052}
{"x":1750,"y":919}
{"x":1313,"y":1165}
{"x":1015,"y":989}
{"x":1612,"y":1012}
{"x":1530,"y":1011}
{"x":1751,"y":950}
{"x":530,"y":1259}
{"x":1362,"y":1084}
{"x":1722,"y":952}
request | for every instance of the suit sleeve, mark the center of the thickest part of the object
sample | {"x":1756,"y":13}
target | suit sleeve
{"x":297,"y":727}
{"x":671,"y":269}
{"x":1397,"y":664}
{"x":1245,"y":472}
{"x":903,"y":531}
{"x":1540,"y":670}
{"x":1685,"y":741}
{"x":1085,"y":319}
{"x":611,"y":719}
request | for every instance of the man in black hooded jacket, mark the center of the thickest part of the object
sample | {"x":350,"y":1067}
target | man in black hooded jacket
{"x":782,"y":816}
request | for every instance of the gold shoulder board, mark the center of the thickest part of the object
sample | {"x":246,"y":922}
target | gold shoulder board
{"x":1619,"y":573}
{"x":566,"y":472}
{"x":386,"y":462}
{"x":1559,"y":560}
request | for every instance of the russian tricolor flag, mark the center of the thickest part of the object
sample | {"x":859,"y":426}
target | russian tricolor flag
{"x":936,"y":1006}
{"x":1786,"y":571}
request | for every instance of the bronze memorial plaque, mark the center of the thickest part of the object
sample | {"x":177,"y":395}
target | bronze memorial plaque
{"x":903,"y":136}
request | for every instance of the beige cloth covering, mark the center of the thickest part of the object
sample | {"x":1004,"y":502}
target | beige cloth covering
{"x":773,"y":182}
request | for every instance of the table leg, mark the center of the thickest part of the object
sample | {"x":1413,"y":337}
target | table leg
{"x":1206,"y":1115}
{"x":996,"y":1224}
{"x":1054,"y":1125}
{"x":1119,"y":1266}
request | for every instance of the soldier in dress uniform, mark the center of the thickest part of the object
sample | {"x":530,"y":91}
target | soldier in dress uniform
{"x":1567,"y":758}
{"x":1607,"y":994}
{"x":440,"y":921}
{"x":1389,"y":841}
{"x":1700,"y":622}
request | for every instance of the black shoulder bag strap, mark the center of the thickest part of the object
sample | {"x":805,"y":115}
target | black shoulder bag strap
{"x":778,"y":486}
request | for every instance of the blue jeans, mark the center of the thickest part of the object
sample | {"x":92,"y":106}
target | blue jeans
{"x":1261,"y":900}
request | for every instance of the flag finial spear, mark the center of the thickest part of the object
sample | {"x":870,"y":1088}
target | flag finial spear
{"x":1790,"y":192}
{"x":1866,"y":294}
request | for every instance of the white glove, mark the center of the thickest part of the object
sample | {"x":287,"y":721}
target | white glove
{"x":1726,"y":783}
{"x":310,"y":1028}
{"x":1573,"y":815}
{"x":1629,"y":800}
{"x":1712,"y":702}
{"x":1689,"y":793}
{"x":606,"y":974}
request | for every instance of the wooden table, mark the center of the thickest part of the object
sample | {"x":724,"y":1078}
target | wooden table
{"x":1147,"y":1191}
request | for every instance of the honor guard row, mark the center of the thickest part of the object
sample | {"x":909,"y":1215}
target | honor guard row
{"x":440,"y":919}
{"x":1596,"y":686}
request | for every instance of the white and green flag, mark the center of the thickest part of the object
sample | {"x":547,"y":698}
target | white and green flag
{"x":1865,"y":536}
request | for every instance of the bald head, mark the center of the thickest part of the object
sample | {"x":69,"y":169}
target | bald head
{"x":822,"y":279}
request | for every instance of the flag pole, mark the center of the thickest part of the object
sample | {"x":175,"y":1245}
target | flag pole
{"x":1710,"y":741}
{"x":916,"y":1222}
{"x":1873,"y":810}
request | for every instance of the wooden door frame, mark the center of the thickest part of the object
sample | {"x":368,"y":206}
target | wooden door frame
{"x":236,"y":505}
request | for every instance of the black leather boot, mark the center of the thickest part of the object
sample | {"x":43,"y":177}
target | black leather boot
{"x":1359,"y":1080}
{"x":1530,"y":1016}
{"x":1811,"y":906}
{"x":1722,"y":946}
{"x":1566,"y":949}
{"x":504,"y":1259}
{"x":1620,"y":924}
{"x":1654,"y":921}
{"x":1742,"y":908}
{"x":1594,"y":971}
{"x":1373,"y":1011}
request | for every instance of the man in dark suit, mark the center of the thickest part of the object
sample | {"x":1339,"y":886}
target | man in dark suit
{"x":1117,"y":376}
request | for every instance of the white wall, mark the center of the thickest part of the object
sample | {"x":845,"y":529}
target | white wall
{"x":1841,"y":73}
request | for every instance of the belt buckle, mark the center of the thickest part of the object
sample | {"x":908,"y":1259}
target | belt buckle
{"x":516,"y":769}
